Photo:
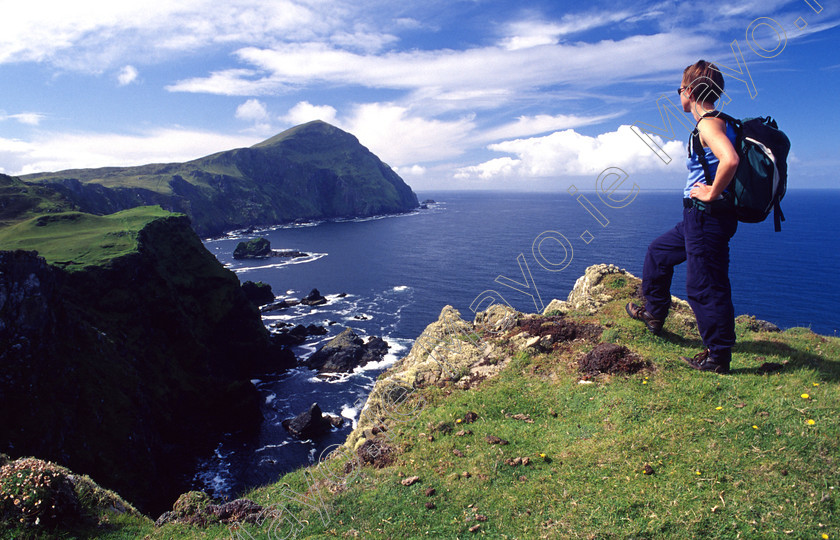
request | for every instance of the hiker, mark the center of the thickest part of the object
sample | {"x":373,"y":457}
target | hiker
{"x":702,"y":238}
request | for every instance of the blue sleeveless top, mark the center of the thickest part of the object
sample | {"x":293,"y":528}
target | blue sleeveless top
{"x":695,"y":168}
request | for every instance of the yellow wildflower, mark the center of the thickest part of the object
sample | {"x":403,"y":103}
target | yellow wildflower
{"x":718,"y":408}
{"x":805,"y":396}
{"x":810,"y":422}
{"x":755,"y":427}
{"x":816,"y":384}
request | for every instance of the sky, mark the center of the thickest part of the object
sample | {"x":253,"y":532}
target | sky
{"x":453,"y":94}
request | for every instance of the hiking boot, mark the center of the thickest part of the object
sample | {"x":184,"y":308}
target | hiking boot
{"x":641,"y":314}
{"x":702,"y":362}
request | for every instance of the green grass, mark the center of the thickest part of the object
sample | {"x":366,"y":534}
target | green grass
{"x":733,"y":456}
{"x":75,"y":240}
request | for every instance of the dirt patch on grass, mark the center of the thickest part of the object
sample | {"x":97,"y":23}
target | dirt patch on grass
{"x":377,"y":453}
{"x":611,"y":358}
{"x":556,"y":329}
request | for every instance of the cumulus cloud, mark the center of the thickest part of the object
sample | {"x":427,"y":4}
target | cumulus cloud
{"x":127,"y":75}
{"x":252,"y":110}
{"x":60,"y":151}
{"x":569,"y":153}
{"x":306,"y":112}
{"x":400,"y":137}
{"x":412,"y":170}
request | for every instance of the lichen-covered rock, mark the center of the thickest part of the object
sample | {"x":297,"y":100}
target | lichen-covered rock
{"x":496,"y":319}
{"x":757,"y":325}
{"x":593,"y":290}
{"x":446,"y":349}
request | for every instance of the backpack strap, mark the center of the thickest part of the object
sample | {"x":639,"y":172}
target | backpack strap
{"x":778,"y":216}
{"x":695,"y":142}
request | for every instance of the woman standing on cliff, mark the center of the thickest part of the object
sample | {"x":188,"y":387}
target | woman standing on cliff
{"x":702,"y":238}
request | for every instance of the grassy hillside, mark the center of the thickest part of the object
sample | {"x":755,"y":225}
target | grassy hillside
{"x":19,"y":201}
{"x":666,"y":452}
{"x":312,"y":171}
{"x":75,"y":240}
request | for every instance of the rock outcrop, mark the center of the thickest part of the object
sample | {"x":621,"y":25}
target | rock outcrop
{"x":452,"y":349}
{"x":258,"y":293}
{"x":347,"y":351}
{"x":256,"y":248}
{"x":311,"y":423}
{"x":314,"y":298}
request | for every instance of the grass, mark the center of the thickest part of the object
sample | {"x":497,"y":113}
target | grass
{"x":75,"y":240}
{"x":744,"y":455}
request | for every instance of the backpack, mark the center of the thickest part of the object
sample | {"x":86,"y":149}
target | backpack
{"x":760,"y":182}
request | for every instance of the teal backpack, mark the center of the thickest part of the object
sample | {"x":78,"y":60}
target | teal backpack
{"x":760,"y":182}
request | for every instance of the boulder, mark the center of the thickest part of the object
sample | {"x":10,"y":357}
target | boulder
{"x":258,"y":293}
{"x":314,"y":298}
{"x":311,"y":423}
{"x":256,"y":248}
{"x":347,"y":351}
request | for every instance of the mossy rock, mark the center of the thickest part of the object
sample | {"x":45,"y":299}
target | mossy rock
{"x":191,"y":503}
{"x":255,"y":248}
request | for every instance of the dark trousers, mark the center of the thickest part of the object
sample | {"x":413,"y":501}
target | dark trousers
{"x":701,"y":240}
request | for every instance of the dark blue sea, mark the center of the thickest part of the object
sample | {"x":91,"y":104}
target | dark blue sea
{"x":399,"y":271}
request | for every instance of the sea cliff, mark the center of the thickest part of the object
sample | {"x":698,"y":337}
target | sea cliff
{"x":125,"y":349}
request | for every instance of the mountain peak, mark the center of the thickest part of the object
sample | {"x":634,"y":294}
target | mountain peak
{"x":317,"y":128}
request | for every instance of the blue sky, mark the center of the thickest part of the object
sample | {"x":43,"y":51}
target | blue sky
{"x":451,"y":94}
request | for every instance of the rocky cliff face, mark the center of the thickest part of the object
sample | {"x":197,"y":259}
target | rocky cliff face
{"x":126,"y":371}
{"x":312,"y":171}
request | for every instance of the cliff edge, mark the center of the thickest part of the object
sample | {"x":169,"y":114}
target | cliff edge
{"x":125,"y":349}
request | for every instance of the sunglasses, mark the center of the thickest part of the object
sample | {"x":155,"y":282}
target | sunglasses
{"x":680,"y":90}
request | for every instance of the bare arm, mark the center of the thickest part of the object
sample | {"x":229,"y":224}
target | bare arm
{"x":713,"y":134}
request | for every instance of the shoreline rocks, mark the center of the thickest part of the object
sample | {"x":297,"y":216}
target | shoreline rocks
{"x":311,"y":423}
{"x":347,"y":351}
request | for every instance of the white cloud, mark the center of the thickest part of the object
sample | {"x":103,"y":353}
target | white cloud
{"x":504,"y":74}
{"x":567,"y":152}
{"x":29,"y":119}
{"x":542,"y":123}
{"x":127,"y":75}
{"x":412,"y":170}
{"x":90,"y":35}
{"x":252,"y":110}
{"x":533,"y":33}
{"x":60,"y":151}
{"x":306,"y":112}
{"x":400,"y":138}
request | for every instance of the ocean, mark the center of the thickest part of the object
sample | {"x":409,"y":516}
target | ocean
{"x":391,"y":276}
